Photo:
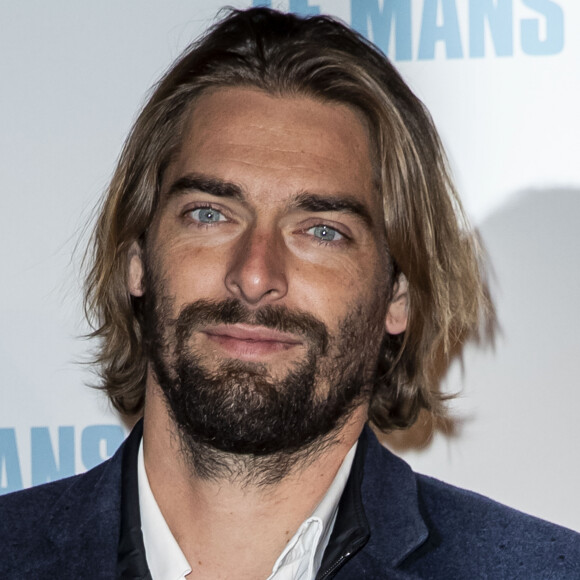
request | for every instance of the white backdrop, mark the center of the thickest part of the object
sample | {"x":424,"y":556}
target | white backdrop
{"x":501,"y":78}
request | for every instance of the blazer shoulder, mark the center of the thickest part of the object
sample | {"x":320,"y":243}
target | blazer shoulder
{"x":44,"y":526}
{"x":28,"y":508}
{"x":470,"y":529}
{"x":25,"y":507}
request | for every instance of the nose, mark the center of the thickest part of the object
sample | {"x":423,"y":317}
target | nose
{"x":256,"y":273}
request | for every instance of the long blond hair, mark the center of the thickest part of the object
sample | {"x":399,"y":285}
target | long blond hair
{"x":428,"y":238}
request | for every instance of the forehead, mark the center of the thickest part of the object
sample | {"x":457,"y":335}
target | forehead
{"x":276,"y":144}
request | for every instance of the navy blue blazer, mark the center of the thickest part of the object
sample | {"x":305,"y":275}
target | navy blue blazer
{"x":420,"y":528}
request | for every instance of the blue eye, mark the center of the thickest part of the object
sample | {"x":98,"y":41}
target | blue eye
{"x":207,"y":215}
{"x":325,"y":233}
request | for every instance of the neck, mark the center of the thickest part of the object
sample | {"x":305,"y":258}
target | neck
{"x":219,"y":515}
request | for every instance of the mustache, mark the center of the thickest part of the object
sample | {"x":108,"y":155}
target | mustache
{"x":231,"y":311}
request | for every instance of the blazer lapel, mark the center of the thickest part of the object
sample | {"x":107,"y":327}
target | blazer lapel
{"x":391,"y":505}
{"x":83,"y":525}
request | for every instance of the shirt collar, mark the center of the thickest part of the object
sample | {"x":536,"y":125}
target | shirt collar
{"x":164,"y":556}
{"x":301,"y":558}
{"x":303,"y":554}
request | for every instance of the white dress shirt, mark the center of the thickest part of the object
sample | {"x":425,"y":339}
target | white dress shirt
{"x":300,"y":559}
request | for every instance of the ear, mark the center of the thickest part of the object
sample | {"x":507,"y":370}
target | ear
{"x":135,"y":273}
{"x":398,"y":311}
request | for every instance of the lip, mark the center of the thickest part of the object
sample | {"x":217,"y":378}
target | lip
{"x":252,"y":333}
{"x":249,"y":342}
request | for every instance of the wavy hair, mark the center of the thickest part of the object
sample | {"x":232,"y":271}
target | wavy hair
{"x":428,"y":237}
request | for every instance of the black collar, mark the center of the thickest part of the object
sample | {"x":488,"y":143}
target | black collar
{"x":351,"y":529}
{"x":131,"y":562}
{"x":349,"y":535}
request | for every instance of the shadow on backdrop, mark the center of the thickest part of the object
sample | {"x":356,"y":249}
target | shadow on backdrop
{"x":533,"y":244}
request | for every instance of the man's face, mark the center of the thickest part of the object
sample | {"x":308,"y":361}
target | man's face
{"x":266,"y":274}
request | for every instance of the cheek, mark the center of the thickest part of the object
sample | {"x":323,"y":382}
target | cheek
{"x":331,"y":293}
{"x":190,"y":274}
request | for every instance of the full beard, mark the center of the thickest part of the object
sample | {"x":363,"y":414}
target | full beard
{"x":235,"y":420}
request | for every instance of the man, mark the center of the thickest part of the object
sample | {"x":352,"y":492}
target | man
{"x":280,"y":259}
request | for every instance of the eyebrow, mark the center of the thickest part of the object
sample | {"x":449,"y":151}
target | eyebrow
{"x":343,"y":203}
{"x":205,"y":184}
{"x":305,"y":201}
